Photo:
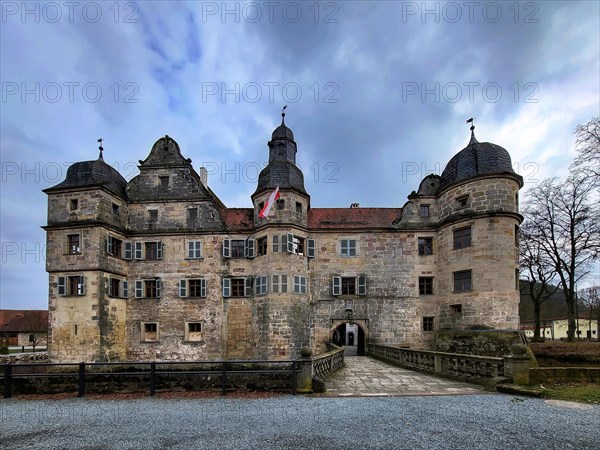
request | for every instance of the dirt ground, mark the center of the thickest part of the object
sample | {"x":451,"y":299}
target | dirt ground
{"x":588,"y":351}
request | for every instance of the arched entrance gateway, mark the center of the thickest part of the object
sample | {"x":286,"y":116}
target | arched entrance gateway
{"x":352,"y":335}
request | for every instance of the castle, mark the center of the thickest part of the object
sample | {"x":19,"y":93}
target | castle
{"x":158,"y":268}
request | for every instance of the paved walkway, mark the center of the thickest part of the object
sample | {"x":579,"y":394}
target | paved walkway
{"x":368,"y":377}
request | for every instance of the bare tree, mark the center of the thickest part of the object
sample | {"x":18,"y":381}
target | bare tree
{"x":38,"y":331}
{"x":539,"y":272}
{"x":565,"y":223}
{"x":588,"y":146}
{"x":589,"y":299}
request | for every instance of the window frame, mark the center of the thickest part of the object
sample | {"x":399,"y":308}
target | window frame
{"x":428,"y":324}
{"x":144,"y":331}
{"x":346,"y":247}
{"x":423,"y":246}
{"x":193,"y":335}
{"x":457,"y":280}
{"x":70,"y":247}
{"x":195,"y":249}
{"x":424,"y":207}
{"x":459,"y":236}
{"x":299,"y":284}
{"x":71,"y":286}
{"x":279,"y":283}
{"x":141,"y":288}
{"x":261,"y":246}
{"x":425,"y":285}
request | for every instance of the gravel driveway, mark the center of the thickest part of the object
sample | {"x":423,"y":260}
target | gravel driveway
{"x":286,"y":422}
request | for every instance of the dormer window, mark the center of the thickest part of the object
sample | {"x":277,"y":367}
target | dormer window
{"x":462,"y":201}
{"x":424,"y":211}
{"x":153,"y":215}
{"x":115,"y":209}
{"x":73,"y":204}
{"x":164,"y":181}
{"x":298,"y":208}
{"x":279,"y":204}
{"x":192,"y":213}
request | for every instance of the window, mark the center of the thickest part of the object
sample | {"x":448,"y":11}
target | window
{"x":195,"y":288}
{"x":517,"y":285}
{"x":148,"y":288}
{"x":455,"y":309}
{"x":73,"y":244}
{"x":348,"y":247}
{"x":275,"y":244}
{"x":192,"y":213}
{"x":517,"y":235}
{"x":462,"y":238}
{"x":238,"y":248}
{"x":164,"y":181}
{"x":114,"y":246}
{"x":462,"y":201}
{"x":153,"y":250}
{"x":428,"y":323}
{"x":298,"y":208}
{"x":72,"y":285}
{"x":261,"y":244}
{"x":279,"y":204}
{"x":118,"y":288}
{"x":295,"y":244}
{"x":193,"y":331}
{"x":299,"y":285}
{"x":425,"y":285}
{"x":237,"y":287}
{"x":425,"y":245}
{"x":115,"y":209}
{"x":261,"y":283}
{"x":149,"y":331}
{"x":462,"y":281}
{"x":194,"y":249}
{"x":424,"y":211}
{"x":279,"y":284}
{"x":73,"y":204}
{"x":349,"y":285}
{"x":153,"y":215}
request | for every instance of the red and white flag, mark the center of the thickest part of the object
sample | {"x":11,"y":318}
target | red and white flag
{"x":274,"y":196}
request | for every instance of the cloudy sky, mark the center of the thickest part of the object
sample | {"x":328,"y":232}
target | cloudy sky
{"x":377,"y":93}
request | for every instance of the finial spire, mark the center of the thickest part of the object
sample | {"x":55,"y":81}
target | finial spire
{"x":473,"y":139}
{"x":283,"y":115}
{"x":101,"y":148}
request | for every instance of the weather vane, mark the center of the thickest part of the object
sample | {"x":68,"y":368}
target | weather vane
{"x":283,"y":114}
{"x":472,"y":122}
{"x":100,"y":147}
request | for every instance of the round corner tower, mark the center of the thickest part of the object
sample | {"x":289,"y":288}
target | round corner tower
{"x":478,"y":204}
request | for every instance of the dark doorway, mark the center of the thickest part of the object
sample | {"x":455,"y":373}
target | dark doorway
{"x":344,"y":336}
{"x":361,"y":342}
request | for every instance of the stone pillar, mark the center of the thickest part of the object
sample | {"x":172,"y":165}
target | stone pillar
{"x":304,"y":376}
{"x":516,"y":365}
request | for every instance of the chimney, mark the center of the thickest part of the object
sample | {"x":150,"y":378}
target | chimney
{"x":204,"y":177}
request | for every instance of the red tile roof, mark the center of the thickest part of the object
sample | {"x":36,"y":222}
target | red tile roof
{"x":238,"y":219}
{"x":352,"y":218}
{"x":14,"y":320}
{"x":242,"y":219}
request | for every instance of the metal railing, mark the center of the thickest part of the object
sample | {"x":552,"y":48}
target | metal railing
{"x":153,"y":371}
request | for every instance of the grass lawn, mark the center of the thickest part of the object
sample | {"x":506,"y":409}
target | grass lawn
{"x":586,"y":393}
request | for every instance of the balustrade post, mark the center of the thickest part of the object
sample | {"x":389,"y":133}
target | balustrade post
{"x":304,"y":376}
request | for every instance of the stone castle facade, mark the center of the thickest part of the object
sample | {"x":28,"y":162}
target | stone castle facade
{"x":158,"y":268}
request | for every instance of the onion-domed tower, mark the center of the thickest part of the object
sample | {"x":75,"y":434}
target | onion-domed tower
{"x":282,"y":172}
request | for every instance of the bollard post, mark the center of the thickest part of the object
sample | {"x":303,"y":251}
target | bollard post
{"x":7,"y":380}
{"x":152,"y":378}
{"x":81,"y":379}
